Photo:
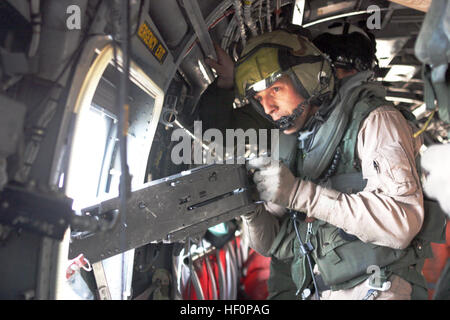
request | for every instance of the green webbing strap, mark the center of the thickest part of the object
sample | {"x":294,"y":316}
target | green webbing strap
{"x":287,"y":151}
{"x":352,"y":182}
{"x":434,"y":224}
{"x":436,"y":91}
{"x":280,"y":236}
{"x":349,"y":141}
{"x":443,"y":97}
{"x":429,"y":94}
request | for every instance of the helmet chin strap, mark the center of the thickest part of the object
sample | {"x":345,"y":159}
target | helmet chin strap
{"x":284,"y":122}
{"x":287,"y":122}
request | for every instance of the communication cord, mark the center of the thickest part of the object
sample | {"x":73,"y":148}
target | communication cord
{"x":304,"y":250}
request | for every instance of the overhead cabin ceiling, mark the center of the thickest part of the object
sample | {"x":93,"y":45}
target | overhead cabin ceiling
{"x":186,"y":33}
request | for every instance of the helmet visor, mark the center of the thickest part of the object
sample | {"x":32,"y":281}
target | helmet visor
{"x":265,"y":64}
{"x":257,"y":71}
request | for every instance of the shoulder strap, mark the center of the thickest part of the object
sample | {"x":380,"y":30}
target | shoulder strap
{"x":281,"y":252}
{"x":349,"y":161}
{"x":330,"y":134}
{"x":434,"y":224}
{"x":288,"y":150}
{"x":352,"y":182}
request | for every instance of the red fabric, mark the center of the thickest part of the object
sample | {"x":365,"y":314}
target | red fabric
{"x":255,"y":281}
{"x":433,"y":267}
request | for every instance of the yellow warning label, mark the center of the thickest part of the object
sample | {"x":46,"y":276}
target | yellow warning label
{"x":152,"y":42}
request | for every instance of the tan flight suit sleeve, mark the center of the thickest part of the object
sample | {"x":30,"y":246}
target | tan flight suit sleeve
{"x":261,"y":227}
{"x":389,"y":211}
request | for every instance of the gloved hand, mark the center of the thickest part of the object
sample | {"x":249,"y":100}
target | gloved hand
{"x":273,"y":179}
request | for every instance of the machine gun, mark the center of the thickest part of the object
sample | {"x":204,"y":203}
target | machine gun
{"x":169,"y":210}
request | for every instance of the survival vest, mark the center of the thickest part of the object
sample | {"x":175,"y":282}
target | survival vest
{"x":344,"y":260}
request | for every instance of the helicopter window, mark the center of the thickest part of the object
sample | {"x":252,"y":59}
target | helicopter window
{"x":94,"y":168}
{"x":96,"y":134}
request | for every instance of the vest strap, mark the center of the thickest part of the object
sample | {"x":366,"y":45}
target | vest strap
{"x":348,"y":182}
{"x":281,"y":235}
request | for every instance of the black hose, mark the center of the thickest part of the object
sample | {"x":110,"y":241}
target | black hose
{"x":305,"y":251}
{"x":122,"y":95}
